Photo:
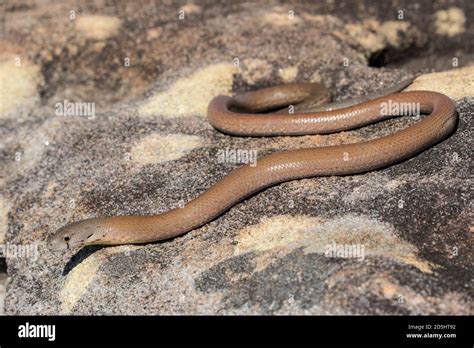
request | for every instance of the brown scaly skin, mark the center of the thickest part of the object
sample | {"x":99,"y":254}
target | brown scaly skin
{"x":281,"y":166}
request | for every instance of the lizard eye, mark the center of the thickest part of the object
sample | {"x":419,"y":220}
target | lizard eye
{"x":66,"y":239}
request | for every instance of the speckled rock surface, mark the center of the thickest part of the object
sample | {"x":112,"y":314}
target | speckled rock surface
{"x":150,"y":71}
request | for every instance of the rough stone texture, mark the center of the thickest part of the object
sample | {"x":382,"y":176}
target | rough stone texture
{"x":267,"y":254}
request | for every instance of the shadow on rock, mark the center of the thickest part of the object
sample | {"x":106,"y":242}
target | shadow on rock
{"x":78,"y":257}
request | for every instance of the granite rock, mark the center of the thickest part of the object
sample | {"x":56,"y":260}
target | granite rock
{"x":149,"y":71}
